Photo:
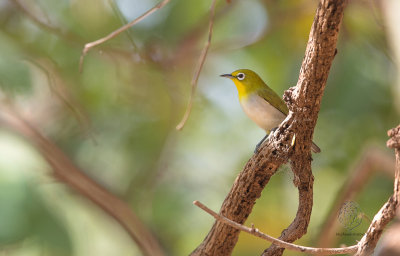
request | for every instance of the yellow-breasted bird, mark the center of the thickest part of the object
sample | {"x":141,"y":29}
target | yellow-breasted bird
{"x":260,"y":102}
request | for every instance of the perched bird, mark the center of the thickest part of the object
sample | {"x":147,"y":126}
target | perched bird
{"x":260,"y":102}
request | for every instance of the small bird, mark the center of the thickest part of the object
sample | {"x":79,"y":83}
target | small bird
{"x":260,"y":102}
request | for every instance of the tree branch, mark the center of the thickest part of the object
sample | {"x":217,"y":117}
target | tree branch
{"x":305,"y":100}
{"x":372,"y":160}
{"x":304,"y":103}
{"x":199,"y":67}
{"x":294,"y":247}
{"x":368,"y":242}
{"x":366,"y":245}
{"x":115,"y":33}
{"x":60,"y":89}
{"x":66,"y":171}
{"x":300,"y":224}
{"x":61,"y":32}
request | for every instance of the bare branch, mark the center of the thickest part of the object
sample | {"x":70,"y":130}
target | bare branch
{"x":394,"y":141}
{"x":294,"y":247}
{"x":121,"y":17}
{"x":366,"y":245}
{"x":199,"y":67}
{"x":372,"y":159}
{"x":304,"y":102}
{"x":66,"y":171}
{"x":304,"y":181}
{"x":368,"y":242}
{"x":115,"y":33}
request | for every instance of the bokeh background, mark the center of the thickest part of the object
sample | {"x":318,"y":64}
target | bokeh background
{"x":116,"y":120}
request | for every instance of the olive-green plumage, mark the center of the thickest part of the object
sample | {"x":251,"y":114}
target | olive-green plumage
{"x":259,"y":101}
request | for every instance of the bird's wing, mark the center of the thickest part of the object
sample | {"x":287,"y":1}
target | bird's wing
{"x":269,"y":95}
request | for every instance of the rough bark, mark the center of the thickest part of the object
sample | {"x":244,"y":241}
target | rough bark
{"x":304,"y":104}
{"x":304,"y":100}
{"x":240,"y":201}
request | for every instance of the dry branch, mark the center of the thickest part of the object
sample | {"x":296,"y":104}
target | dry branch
{"x":199,"y":67}
{"x":372,"y":159}
{"x":115,"y":33}
{"x":304,"y":100}
{"x":121,"y":17}
{"x":366,"y":245}
{"x":66,"y":171}
{"x":368,"y":242}
{"x":290,"y":246}
{"x":304,"y":104}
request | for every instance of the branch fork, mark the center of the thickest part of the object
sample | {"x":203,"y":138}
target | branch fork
{"x":304,"y":103}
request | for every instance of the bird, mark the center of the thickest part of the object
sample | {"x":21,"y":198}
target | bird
{"x":260,"y":103}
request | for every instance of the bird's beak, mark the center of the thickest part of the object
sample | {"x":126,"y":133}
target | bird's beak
{"x":227,"y":76}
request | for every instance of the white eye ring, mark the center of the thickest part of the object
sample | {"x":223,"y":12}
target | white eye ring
{"x":240,"y":76}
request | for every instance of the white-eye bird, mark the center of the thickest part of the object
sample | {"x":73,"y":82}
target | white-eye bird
{"x":260,"y":102}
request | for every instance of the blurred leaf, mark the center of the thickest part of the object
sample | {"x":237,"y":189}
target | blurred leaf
{"x":27,"y":216}
{"x":14,"y":76}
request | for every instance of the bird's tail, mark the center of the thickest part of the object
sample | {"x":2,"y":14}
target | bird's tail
{"x":315,"y":148}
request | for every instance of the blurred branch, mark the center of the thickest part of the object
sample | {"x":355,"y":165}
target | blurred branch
{"x":66,"y":171}
{"x":121,"y":17}
{"x":304,"y":103}
{"x":199,"y":67}
{"x":115,"y":33}
{"x":46,"y":25}
{"x":186,"y":47}
{"x":389,"y":244}
{"x":368,"y":242}
{"x":294,"y":247}
{"x":58,"y":87}
{"x":372,"y":160}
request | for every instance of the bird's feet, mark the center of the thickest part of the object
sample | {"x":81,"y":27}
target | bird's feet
{"x":263,"y":139}
{"x":260,"y":143}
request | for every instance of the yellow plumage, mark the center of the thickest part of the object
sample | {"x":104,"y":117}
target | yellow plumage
{"x":259,"y":102}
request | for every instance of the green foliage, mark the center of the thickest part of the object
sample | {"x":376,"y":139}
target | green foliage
{"x":14,"y":76}
{"x":26,"y":216}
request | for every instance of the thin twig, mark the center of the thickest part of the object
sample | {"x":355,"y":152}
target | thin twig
{"x":115,"y":33}
{"x":199,"y":67}
{"x":34,"y":18}
{"x":294,"y":247}
{"x":121,"y":17}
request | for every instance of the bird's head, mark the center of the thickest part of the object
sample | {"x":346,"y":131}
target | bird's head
{"x":246,"y":81}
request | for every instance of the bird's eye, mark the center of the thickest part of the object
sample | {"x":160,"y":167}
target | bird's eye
{"x":240,"y":76}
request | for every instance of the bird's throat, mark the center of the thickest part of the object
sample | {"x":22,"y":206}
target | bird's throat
{"x":242,"y":90}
